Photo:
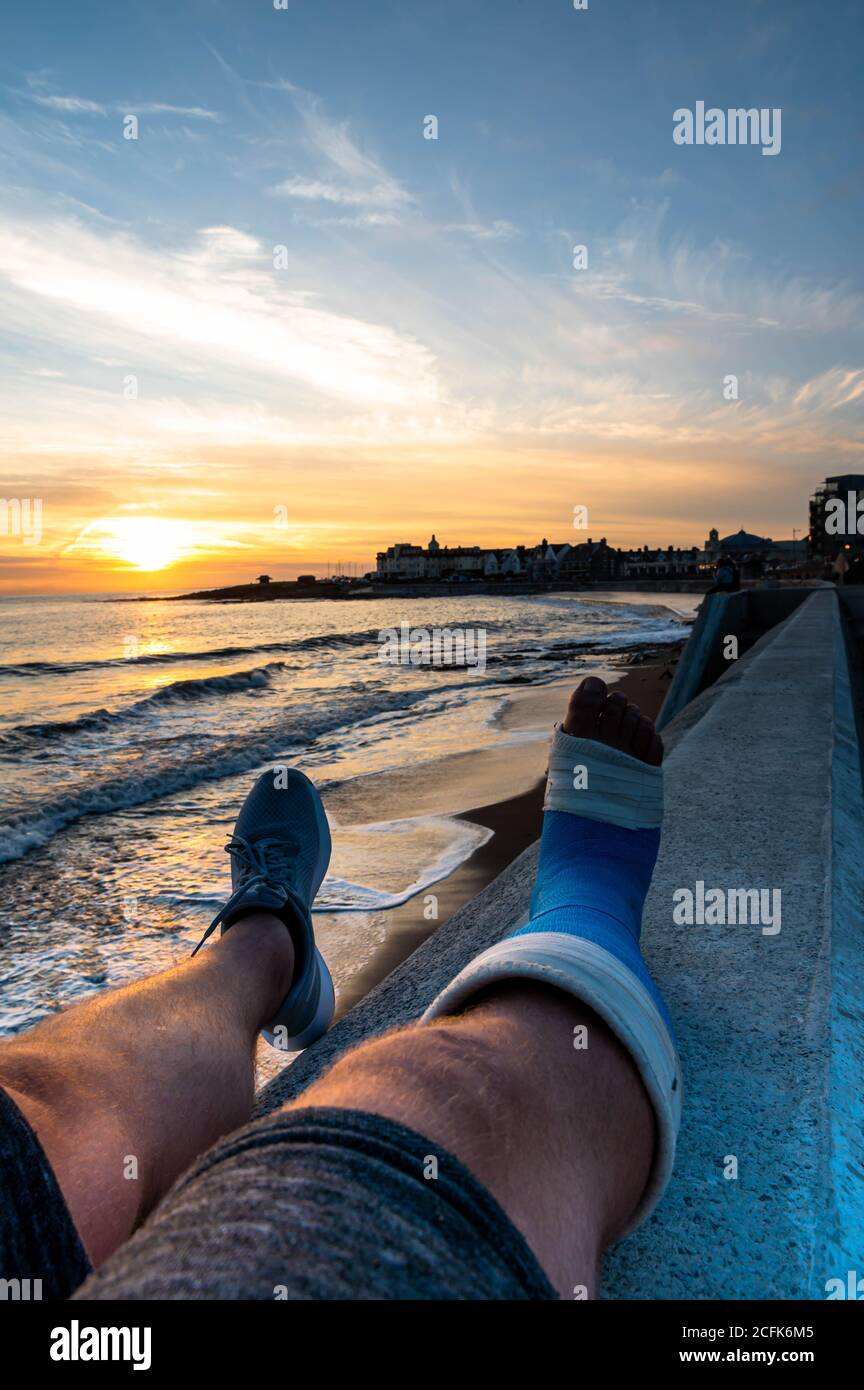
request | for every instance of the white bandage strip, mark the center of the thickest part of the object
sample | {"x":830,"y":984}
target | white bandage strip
{"x":618,"y":788}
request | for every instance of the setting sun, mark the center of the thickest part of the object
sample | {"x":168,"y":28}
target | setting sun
{"x":145,"y":543}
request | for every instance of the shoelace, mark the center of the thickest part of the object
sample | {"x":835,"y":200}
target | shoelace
{"x":260,"y":861}
{"x":273,"y":857}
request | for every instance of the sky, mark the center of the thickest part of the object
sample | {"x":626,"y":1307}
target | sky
{"x":283,"y":328}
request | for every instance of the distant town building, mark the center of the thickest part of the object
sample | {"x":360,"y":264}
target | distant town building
{"x":590,"y":560}
{"x":741,"y":543}
{"x":503,"y":562}
{"x":454,"y":562}
{"x":754,"y":555}
{"x":263,"y":579}
{"x":585,"y":562}
{"x":671,"y":563}
{"x":405,"y":562}
{"x":306,"y":579}
{"x":823,"y":541}
{"x":401,"y":562}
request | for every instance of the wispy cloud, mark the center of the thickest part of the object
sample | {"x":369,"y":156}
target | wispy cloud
{"x":83,"y":106}
{"x":74,"y":105}
{"x":319,"y":191}
{"x":363,"y":179}
{"x":362,"y":219}
{"x":244,"y":314}
{"x":155,"y":108}
{"x":650,"y":268}
{"x":832,"y":390}
{"x":499,"y":230}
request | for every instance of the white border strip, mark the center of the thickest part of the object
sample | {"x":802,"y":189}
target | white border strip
{"x":610,"y":785}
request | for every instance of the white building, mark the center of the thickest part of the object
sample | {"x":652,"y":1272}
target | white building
{"x":401,"y":561}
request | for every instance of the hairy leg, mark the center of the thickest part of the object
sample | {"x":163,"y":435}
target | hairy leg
{"x":126,"y":1089}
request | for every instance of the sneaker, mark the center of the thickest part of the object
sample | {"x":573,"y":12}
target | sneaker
{"x":279,"y":852}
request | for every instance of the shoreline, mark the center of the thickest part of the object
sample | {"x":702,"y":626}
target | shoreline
{"x":330,"y":590}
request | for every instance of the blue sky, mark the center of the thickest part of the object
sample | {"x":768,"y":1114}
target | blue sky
{"x":425,"y":356}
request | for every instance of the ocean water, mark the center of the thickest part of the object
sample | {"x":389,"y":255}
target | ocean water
{"x":129,"y":733}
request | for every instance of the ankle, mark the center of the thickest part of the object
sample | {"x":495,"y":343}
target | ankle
{"x":259,"y":948}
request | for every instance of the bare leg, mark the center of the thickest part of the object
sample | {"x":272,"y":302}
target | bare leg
{"x":147,"y":1077}
{"x":561,"y":1135}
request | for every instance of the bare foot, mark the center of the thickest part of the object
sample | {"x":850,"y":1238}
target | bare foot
{"x":594,"y":713}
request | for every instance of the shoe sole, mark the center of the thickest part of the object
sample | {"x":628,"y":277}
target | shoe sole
{"x":320,"y":1021}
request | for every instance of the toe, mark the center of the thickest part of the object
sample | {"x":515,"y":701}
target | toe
{"x":609,"y":727}
{"x":629,"y":725}
{"x":594,"y":713}
{"x":655,"y":752}
{"x":585,"y":707}
{"x":642,"y":739}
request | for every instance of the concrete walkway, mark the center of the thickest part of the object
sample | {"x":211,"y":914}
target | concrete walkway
{"x":762,"y":791}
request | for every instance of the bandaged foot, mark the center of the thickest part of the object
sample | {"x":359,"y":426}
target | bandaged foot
{"x":601,"y":834}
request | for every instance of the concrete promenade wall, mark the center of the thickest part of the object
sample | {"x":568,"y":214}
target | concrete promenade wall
{"x":746,"y":615}
{"x":763,"y":790}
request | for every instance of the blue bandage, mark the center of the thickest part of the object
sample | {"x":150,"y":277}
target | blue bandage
{"x":592,"y":881}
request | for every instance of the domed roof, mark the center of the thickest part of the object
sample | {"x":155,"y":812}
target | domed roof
{"x":743,"y":540}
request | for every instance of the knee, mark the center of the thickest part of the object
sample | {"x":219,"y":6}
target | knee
{"x":29,"y":1070}
{"x":451,"y":1067}
{"x":50,"y":1094}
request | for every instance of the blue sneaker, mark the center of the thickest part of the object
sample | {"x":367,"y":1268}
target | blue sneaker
{"x":279,"y":852}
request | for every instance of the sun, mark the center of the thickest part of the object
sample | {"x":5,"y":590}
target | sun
{"x":145,"y":542}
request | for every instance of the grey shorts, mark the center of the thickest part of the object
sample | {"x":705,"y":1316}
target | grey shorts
{"x":307,"y":1204}
{"x":41,"y":1256}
